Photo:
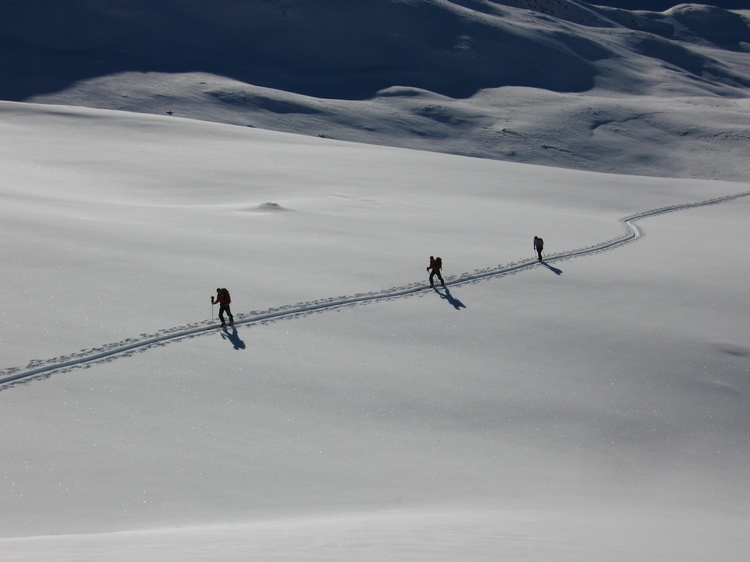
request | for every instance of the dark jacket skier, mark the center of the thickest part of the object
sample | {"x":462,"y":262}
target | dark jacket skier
{"x":538,"y":246}
{"x":223,"y":300}
{"x":436,"y":264}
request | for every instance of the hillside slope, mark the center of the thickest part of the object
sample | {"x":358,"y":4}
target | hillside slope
{"x":592,"y":407}
{"x":494,"y":79}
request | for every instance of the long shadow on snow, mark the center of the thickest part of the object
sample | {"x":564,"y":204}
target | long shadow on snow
{"x":552,"y":269}
{"x":232,"y":336}
{"x":447,"y":296}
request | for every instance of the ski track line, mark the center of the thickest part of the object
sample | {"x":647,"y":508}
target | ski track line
{"x":41,"y":369}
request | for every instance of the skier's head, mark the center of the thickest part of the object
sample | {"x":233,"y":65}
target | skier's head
{"x":218,"y":290}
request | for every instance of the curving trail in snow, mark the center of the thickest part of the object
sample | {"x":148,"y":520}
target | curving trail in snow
{"x":36,"y":370}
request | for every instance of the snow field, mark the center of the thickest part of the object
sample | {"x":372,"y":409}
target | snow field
{"x":611,"y":383}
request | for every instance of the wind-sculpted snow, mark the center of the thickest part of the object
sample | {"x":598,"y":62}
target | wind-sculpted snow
{"x":40,"y":369}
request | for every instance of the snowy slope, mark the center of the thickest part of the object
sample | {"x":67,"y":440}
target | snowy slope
{"x":594,"y":408}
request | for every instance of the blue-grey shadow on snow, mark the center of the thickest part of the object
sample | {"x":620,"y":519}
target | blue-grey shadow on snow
{"x":231,"y":335}
{"x":446,"y":295}
{"x":552,"y":269}
{"x":49,"y":46}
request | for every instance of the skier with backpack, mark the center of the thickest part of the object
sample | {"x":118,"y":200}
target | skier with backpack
{"x":223,"y":299}
{"x":538,"y":246}
{"x":436,"y":264}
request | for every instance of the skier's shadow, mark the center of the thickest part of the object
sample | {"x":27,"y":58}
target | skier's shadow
{"x":446,"y":295}
{"x":552,"y":269}
{"x":232,"y":336}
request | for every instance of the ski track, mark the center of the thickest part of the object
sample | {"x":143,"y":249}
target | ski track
{"x":42,"y":369}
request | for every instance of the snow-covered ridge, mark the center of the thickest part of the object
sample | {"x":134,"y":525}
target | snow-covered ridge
{"x":502,"y":80}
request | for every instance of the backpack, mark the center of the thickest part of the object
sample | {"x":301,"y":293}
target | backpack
{"x":225,"y":294}
{"x":439,"y":263}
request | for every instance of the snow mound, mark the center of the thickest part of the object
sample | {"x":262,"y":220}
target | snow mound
{"x":268,"y":207}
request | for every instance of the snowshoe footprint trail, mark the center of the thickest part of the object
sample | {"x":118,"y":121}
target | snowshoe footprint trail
{"x":40,"y":369}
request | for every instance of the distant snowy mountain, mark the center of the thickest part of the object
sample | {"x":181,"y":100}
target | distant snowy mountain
{"x":494,"y":79}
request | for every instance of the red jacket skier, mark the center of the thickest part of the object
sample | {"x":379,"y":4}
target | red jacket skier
{"x":223,"y":300}
{"x":436,"y":264}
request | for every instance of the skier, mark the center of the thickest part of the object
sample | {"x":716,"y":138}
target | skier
{"x":223,"y":300}
{"x":436,"y":264}
{"x":538,"y":246}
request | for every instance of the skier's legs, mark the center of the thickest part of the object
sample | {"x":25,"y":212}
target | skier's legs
{"x":441,"y":279}
{"x":222,"y":308}
{"x":432,"y":275}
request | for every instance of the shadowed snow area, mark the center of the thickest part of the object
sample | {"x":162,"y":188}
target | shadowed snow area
{"x":493,"y":79}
